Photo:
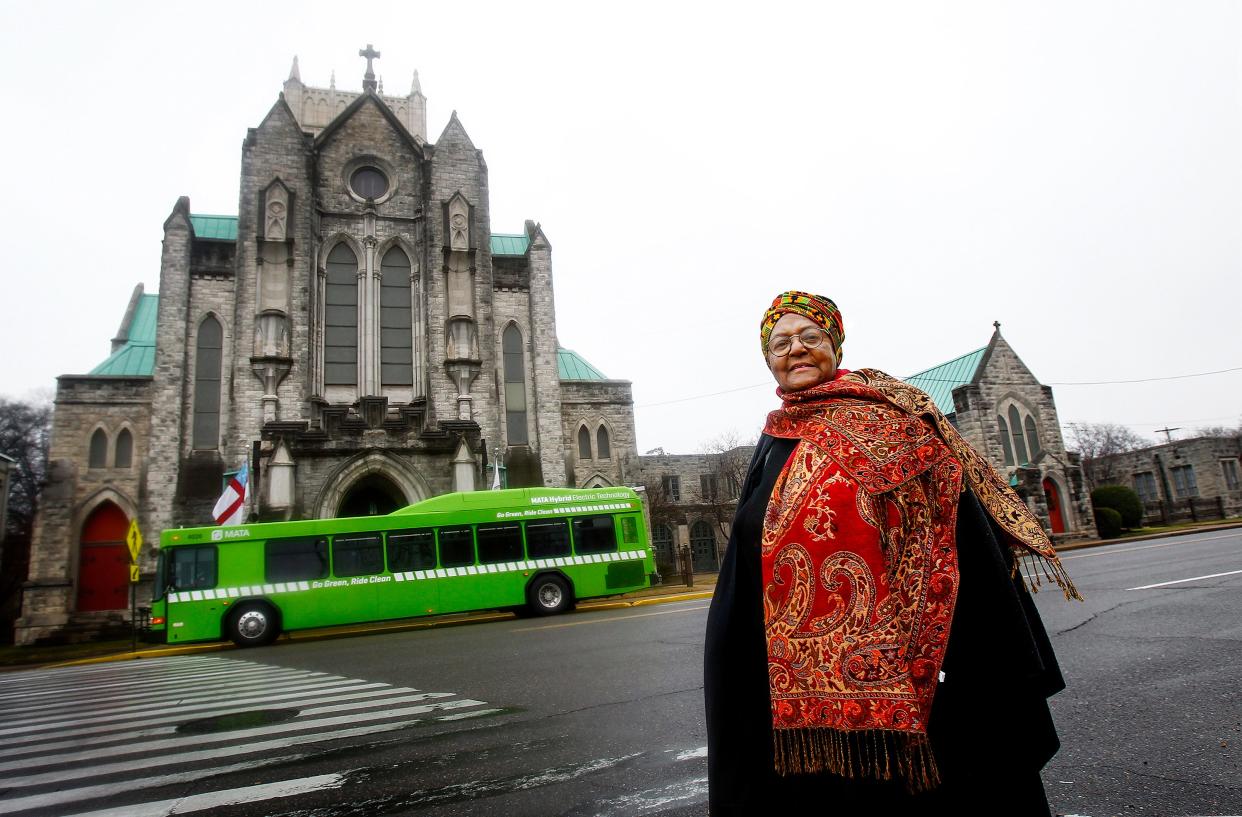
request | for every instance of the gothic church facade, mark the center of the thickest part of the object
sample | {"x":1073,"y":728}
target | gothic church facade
{"x":356,"y":334}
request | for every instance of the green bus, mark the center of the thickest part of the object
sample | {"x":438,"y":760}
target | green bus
{"x":525,"y":549}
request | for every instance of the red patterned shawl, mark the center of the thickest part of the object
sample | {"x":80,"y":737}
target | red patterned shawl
{"x":860,"y":573}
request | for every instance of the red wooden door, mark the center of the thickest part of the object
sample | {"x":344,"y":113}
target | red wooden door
{"x":1055,"y":516}
{"x":103,"y":561}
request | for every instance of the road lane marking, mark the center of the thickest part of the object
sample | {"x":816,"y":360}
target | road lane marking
{"x":226,"y":797}
{"x":191,"y":704}
{"x":1183,"y":581}
{"x":1148,"y":547}
{"x":176,"y":743}
{"x":102,"y":790}
{"x":610,"y":620}
{"x":153,"y":728}
{"x":144,"y":764}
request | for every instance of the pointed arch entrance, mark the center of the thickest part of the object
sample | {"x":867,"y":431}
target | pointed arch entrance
{"x":1056,"y":514}
{"x":373,"y":495}
{"x":374,"y":479}
{"x":103,"y":560}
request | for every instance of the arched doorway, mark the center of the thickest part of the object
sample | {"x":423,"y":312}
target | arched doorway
{"x":1056,"y":515}
{"x":373,"y":495}
{"x":103,"y":560}
{"x":662,"y":544}
{"x":703,"y":547}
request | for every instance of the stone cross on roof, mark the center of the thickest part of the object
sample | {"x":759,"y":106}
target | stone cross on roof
{"x":368,"y":80}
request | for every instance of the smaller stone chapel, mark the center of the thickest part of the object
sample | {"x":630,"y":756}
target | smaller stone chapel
{"x":356,"y":334}
{"x":1001,"y":409}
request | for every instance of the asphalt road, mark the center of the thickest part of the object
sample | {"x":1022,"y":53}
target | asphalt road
{"x":1151,"y":721}
{"x":597,"y":713}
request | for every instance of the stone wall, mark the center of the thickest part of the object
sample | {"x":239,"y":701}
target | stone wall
{"x":1211,"y":460}
{"x":83,"y":405}
{"x":592,"y":404}
{"x":1003,"y":380}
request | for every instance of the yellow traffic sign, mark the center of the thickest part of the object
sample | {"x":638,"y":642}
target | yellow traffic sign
{"x":133,"y":574}
{"x":133,"y":538}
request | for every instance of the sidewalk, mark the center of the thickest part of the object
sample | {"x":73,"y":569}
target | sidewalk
{"x":671,"y":591}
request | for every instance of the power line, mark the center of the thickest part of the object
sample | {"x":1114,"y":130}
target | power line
{"x":1087,"y":382}
{"x":958,"y":380}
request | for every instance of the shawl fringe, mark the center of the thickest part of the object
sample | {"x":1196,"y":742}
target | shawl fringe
{"x":872,"y":754}
{"x":1035,"y":569}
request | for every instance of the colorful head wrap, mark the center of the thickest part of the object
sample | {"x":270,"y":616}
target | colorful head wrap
{"x":819,"y":309}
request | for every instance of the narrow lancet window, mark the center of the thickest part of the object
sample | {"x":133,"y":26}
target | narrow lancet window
{"x":208,"y":354}
{"x":340,"y":336}
{"x":515,"y":386}
{"x":396,"y":339}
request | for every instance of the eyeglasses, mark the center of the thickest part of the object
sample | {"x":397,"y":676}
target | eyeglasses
{"x":809,"y":338}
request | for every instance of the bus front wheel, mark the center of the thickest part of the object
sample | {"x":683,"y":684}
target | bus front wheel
{"x":253,"y":624}
{"x":549,"y":595}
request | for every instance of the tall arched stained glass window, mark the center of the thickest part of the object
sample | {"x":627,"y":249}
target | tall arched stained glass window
{"x":124,"y":457}
{"x":1019,"y":444}
{"x":603,"y":448}
{"x":515,"y":386}
{"x":1003,"y":427}
{"x":396,"y":340}
{"x":99,"y":449}
{"x":208,"y":353}
{"x":340,"y":330}
{"x":1032,"y":436}
{"x":584,"y":443}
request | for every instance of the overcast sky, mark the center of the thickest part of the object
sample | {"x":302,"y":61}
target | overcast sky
{"x":1073,"y":170}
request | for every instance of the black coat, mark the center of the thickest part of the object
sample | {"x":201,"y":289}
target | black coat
{"x":990,"y":727}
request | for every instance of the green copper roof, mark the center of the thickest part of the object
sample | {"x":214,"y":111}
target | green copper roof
{"x":137,"y":356}
{"x":571,"y":366}
{"x":940,"y":381}
{"x":224,"y":228}
{"x":505,"y":244}
{"x":217,"y":228}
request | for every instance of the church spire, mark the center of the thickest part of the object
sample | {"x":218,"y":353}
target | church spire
{"x":416,"y":88}
{"x":294,"y":74}
{"x":368,"y":79}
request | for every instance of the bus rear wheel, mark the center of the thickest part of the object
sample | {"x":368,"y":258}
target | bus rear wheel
{"x":253,"y":624}
{"x":549,"y":595}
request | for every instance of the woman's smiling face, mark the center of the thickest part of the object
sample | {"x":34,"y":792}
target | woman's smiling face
{"x":802,"y":368}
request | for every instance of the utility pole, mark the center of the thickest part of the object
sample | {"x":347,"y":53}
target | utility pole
{"x":1168,"y":433}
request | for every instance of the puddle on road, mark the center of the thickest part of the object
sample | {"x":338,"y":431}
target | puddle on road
{"x":237,"y":720}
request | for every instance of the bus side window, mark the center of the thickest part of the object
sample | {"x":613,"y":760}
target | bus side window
{"x":629,"y":530}
{"x":357,"y":555}
{"x":456,"y":547}
{"x":547,"y":539}
{"x":594,"y":534}
{"x":193,"y":568}
{"x":295,"y":560}
{"x":501,"y":542}
{"x":412,"y":550}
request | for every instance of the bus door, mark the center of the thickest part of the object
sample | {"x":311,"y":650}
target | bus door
{"x":412,"y":563}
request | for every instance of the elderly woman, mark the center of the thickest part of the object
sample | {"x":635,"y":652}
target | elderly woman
{"x":871,"y":647}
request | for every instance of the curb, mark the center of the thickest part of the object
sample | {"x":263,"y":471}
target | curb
{"x":1091,"y":543}
{"x":345,"y":631}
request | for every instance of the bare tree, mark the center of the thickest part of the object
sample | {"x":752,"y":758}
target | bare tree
{"x":1097,"y":443}
{"x":1219,"y":431}
{"x":729,"y":457}
{"x":25,"y":432}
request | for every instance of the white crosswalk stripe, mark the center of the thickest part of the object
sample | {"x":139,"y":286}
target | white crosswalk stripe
{"x":72,"y":737}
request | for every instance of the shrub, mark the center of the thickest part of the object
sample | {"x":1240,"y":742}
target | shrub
{"x":1121,"y":499}
{"x":1107,"y":522}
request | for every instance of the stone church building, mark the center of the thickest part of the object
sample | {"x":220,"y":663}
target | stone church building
{"x":357,"y":334}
